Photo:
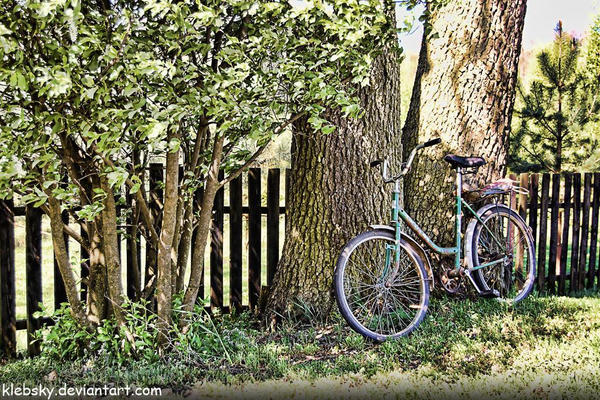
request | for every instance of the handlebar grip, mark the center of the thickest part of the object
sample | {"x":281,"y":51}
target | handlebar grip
{"x":432,"y":142}
{"x":375,"y":163}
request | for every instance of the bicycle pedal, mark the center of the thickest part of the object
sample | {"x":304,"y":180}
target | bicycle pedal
{"x":490,"y":294}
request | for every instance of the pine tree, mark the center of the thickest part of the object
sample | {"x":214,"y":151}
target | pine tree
{"x":554,"y":112}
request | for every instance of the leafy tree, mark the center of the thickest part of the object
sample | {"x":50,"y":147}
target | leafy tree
{"x":464,"y":94}
{"x":97,"y":90}
{"x":556,"y":109}
{"x":592,"y":82}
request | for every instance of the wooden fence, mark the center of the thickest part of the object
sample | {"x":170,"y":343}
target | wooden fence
{"x":562,"y":210}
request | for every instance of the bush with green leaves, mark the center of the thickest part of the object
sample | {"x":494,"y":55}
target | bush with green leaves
{"x":95,"y":91}
{"x":204,"y":338}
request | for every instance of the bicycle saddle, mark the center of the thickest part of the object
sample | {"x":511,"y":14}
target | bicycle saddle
{"x":458,"y":161}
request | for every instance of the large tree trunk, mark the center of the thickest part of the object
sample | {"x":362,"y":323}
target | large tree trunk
{"x":463,"y":93}
{"x":334,"y":194}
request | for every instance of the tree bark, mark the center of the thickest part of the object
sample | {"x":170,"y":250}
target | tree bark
{"x":204,"y":224}
{"x":334,"y":194}
{"x":463,"y":93}
{"x":111,"y":252}
{"x":164,"y":285}
{"x":62,"y":258}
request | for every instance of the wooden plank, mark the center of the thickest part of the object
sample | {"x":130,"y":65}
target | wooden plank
{"x":585,"y":226}
{"x":133,"y":253}
{"x":60,"y":294}
{"x":566,"y":221}
{"x":8,"y":324}
{"x":254,"y":236}
{"x":554,"y":261}
{"x":594,"y":232}
{"x":522,"y":203}
{"x":84,"y":257}
{"x":216,"y":250}
{"x":544,"y":202}
{"x":235,"y":244}
{"x":33,"y":274}
{"x":533,"y":205}
{"x":155,"y":195}
{"x":576,"y":228}
{"x":522,"y":210}
{"x":288,"y":183}
{"x":272,"y":223}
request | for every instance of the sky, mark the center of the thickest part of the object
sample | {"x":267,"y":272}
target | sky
{"x":540,"y":20}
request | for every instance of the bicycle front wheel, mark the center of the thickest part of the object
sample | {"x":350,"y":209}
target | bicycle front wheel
{"x":380,"y":303}
{"x":504,"y":254}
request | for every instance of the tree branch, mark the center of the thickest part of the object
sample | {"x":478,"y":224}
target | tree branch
{"x":260,"y":150}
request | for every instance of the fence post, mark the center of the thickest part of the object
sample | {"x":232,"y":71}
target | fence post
{"x":553,"y":261}
{"x":216,"y":250}
{"x":33,"y":273}
{"x":543,"y":232}
{"x":235,"y":243}
{"x":155,"y":198}
{"x":585,"y":221}
{"x":576,"y":225}
{"x":133,"y":252}
{"x":8,"y":323}
{"x":565,"y":235}
{"x":594,"y":234}
{"x":254,"y":235}
{"x":272,"y":223}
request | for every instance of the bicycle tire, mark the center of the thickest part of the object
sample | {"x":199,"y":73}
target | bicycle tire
{"x":410,"y":260}
{"x":500,"y":277}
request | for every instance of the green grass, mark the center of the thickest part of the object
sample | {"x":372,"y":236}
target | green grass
{"x":545,"y":347}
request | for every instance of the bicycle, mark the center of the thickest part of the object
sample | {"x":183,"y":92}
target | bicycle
{"x":383,"y":276}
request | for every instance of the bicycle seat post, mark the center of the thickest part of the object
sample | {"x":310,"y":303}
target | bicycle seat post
{"x":459,"y":185}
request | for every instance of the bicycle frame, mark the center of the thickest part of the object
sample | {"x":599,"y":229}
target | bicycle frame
{"x":399,"y":214}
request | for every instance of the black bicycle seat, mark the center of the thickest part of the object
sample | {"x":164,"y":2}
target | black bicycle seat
{"x":464,"y":162}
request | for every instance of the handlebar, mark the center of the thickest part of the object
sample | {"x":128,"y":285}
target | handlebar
{"x":405,"y":166}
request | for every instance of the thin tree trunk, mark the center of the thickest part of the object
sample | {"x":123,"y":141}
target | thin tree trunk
{"x":334,"y":194}
{"x":464,"y":94}
{"x":204,"y":224}
{"x":111,"y":252}
{"x":62,"y":258}
{"x":164,"y":286}
{"x":97,"y":285}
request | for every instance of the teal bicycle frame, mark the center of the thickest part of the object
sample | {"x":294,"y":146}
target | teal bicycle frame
{"x":399,"y":214}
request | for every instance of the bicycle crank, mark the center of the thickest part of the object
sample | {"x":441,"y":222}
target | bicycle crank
{"x":450,"y":280}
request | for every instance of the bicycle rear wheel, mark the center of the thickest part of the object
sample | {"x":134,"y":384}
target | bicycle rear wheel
{"x":503,"y":235}
{"x":376,"y":304}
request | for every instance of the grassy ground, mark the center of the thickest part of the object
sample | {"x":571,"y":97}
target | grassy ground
{"x":546,"y":348}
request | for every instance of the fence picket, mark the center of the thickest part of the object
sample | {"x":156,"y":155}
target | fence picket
{"x":33,"y":273}
{"x":216,"y":250}
{"x":235,"y":243}
{"x":576,"y":226}
{"x":585,"y":219}
{"x":594,"y":234}
{"x":60,"y":294}
{"x":565,"y":234}
{"x":543,"y":232}
{"x":272,"y":223}
{"x":553,"y":261}
{"x":591,"y":275}
{"x":8,"y":321}
{"x":254,"y":235}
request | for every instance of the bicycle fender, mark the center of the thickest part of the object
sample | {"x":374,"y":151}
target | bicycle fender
{"x":419,"y":250}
